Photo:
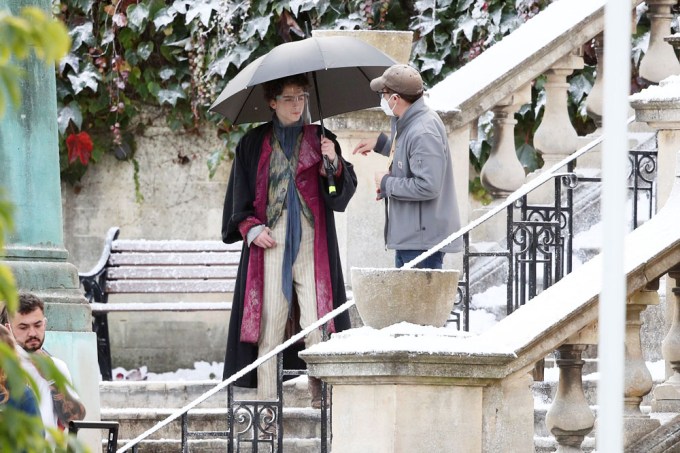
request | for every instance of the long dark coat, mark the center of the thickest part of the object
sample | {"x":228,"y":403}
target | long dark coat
{"x":238,"y":205}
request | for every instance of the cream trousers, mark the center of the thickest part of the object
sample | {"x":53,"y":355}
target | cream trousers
{"x":275,"y":305}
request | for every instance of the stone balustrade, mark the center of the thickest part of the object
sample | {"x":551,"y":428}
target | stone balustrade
{"x":425,"y":374}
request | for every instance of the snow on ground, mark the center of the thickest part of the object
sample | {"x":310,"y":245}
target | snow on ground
{"x":202,"y":371}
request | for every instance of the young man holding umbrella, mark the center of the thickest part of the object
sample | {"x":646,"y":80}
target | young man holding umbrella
{"x":278,"y":203}
{"x":417,"y":182}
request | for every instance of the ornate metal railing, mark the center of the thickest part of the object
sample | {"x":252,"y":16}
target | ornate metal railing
{"x":539,"y":240}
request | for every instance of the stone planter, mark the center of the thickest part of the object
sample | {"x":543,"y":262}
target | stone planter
{"x":396,"y":44}
{"x":389,"y":296}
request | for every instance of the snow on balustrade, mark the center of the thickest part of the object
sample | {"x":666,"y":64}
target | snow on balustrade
{"x":410,"y":338}
{"x":521,"y":49}
{"x":668,"y":90}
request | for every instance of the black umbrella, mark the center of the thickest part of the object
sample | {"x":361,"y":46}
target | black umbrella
{"x":341,"y":68}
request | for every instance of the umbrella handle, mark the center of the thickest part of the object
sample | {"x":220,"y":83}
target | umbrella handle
{"x":330,"y":172}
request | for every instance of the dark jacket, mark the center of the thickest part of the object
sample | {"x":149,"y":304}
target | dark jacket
{"x":239,"y":206}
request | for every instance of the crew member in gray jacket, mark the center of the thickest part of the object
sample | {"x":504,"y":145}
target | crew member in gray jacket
{"x":417,"y":183}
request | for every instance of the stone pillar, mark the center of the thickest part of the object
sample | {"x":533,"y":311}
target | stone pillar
{"x":658,"y":107}
{"x":393,"y":394}
{"x":29,"y":158}
{"x":660,"y":60}
{"x":594,"y":101}
{"x":637,"y":380}
{"x":503,"y":173}
{"x":364,"y":218}
{"x":667,"y":395}
{"x":569,"y":418}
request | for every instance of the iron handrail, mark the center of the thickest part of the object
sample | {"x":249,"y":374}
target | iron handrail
{"x":509,"y":201}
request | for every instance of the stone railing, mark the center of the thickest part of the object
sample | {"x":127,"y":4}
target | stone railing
{"x":478,"y":388}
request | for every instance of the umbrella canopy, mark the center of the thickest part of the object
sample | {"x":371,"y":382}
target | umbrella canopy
{"x":343,"y":68}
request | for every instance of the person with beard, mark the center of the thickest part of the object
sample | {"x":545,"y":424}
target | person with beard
{"x":28,"y":326}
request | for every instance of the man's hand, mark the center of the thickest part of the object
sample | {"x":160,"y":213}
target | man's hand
{"x":264,"y":239}
{"x":378,"y":177}
{"x":365,"y":146}
{"x":328,"y":149}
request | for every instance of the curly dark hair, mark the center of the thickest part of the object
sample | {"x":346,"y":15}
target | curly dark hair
{"x":274,"y":88}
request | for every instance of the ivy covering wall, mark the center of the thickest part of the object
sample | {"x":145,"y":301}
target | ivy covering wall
{"x":176,"y":55}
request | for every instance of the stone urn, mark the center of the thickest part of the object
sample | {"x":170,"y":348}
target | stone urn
{"x":389,"y":296}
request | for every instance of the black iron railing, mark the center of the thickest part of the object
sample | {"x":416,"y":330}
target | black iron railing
{"x":539,"y":241}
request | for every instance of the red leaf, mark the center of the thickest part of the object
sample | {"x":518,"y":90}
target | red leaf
{"x":79,"y":147}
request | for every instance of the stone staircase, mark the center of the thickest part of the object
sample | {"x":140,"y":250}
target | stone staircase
{"x":139,"y":405}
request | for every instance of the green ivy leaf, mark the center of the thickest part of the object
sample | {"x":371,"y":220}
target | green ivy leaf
{"x":88,"y":78}
{"x":259,"y":26}
{"x":137,"y":16}
{"x":144,"y":50}
{"x":202,"y":9}
{"x":166,"y":73}
{"x":528,"y":156}
{"x":170,"y":96}
{"x":164,"y":17}
{"x":82,"y":34}
{"x":579,"y":87}
{"x":214,"y":160}
{"x":68,"y":113}
{"x":153,"y":88}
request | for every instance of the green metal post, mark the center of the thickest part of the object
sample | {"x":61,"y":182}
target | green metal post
{"x":29,"y":173}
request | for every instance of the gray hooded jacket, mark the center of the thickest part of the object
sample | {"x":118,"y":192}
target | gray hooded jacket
{"x":423,"y":209}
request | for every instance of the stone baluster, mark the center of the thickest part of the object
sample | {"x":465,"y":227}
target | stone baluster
{"x":594,"y":100}
{"x":637,"y":378}
{"x":569,"y":418}
{"x":659,"y":61}
{"x":556,"y":137}
{"x":667,"y":395}
{"x":503,"y":173}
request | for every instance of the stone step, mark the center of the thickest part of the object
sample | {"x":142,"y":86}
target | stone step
{"x":297,"y":422}
{"x":176,"y":394}
{"x":290,"y":445}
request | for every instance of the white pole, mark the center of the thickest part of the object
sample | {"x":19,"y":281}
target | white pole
{"x":612,"y":309}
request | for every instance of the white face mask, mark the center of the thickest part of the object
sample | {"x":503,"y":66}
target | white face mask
{"x":385,"y":106}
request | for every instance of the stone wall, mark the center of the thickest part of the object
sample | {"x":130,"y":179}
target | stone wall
{"x":180,"y":202}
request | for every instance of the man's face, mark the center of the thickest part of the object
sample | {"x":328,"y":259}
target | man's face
{"x":29,"y":329}
{"x":290,"y":104}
